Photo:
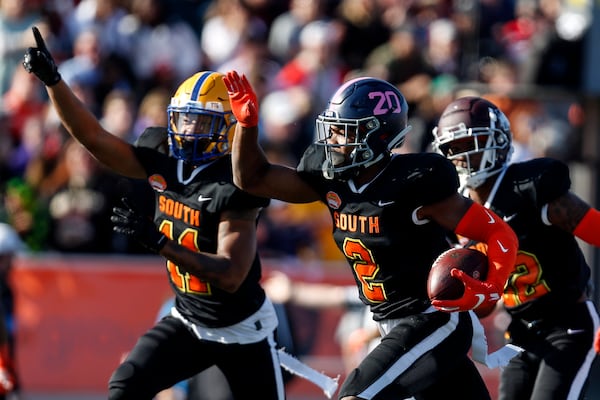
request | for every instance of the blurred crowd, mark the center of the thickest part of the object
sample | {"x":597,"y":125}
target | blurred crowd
{"x":125,"y":58}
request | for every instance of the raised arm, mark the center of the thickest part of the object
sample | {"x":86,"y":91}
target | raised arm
{"x":110,"y":150}
{"x":252,"y":171}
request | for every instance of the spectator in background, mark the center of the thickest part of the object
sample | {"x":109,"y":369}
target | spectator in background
{"x":105,"y":17}
{"x":280,"y":236}
{"x":254,"y":58}
{"x":555,"y":54}
{"x":25,"y":213}
{"x":362,"y":28}
{"x":442,"y":47}
{"x":80,"y":209}
{"x":6,"y":147}
{"x":514,"y":35}
{"x":84,"y":65}
{"x":29,"y":149}
{"x":10,"y":246}
{"x":16,"y":19}
{"x":226,"y":24}
{"x":165,"y":49}
{"x":119,"y":114}
{"x":317,"y":68}
{"x":151,"y":111}
{"x":284,"y":32}
{"x":286,"y":126}
{"x":95,"y":67}
{"x":22,"y":101}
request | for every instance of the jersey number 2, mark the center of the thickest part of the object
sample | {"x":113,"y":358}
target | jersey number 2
{"x":365,"y":269}
{"x":525,"y":283}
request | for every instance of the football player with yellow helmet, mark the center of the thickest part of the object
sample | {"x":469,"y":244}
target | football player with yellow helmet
{"x":203,"y":226}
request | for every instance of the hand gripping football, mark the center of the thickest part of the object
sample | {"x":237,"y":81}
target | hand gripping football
{"x":442,"y":286}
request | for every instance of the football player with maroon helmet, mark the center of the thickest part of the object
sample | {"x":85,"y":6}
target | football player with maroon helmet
{"x":545,"y":294}
{"x":205,"y":228}
{"x":391,"y":214}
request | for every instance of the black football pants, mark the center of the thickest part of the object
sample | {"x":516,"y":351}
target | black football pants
{"x":425,"y":356}
{"x":169,"y":353}
{"x":557,"y":358}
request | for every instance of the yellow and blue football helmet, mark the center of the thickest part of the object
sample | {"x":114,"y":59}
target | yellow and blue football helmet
{"x":201,"y":123}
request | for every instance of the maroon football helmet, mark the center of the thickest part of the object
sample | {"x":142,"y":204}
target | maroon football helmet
{"x":476,"y":119}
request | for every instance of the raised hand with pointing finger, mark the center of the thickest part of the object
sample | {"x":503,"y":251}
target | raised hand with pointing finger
{"x":39,"y":61}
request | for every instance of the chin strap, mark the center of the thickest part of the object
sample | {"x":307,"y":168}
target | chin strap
{"x":587,"y":229}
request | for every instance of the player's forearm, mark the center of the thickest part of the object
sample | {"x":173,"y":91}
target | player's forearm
{"x":249,"y":161}
{"x":82,"y":125}
{"x":214,"y":269}
{"x":74,"y":115}
{"x":485,"y":226}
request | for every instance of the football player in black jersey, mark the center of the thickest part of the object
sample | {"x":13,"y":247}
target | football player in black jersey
{"x":391,"y":215}
{"x":205,"y":228}
{"x":552,"y":318}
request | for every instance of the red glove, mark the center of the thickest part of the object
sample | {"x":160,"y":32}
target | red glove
{"x":477,"y":294}
{"x":597,"y":341}
{"x":242,"y":98}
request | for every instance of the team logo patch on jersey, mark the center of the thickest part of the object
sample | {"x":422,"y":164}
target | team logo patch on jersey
{"x":157,"y":182}
{"x":333,"y":200}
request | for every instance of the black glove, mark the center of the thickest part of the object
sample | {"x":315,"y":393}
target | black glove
{"x":131,"y":223}
{"x":39,"y":61}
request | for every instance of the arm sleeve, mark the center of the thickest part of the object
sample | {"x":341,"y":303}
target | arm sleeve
{"x":587,"y":229}
{"x":484,"y":225}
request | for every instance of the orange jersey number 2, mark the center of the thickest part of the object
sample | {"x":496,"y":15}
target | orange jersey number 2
{"x":365,"y":268}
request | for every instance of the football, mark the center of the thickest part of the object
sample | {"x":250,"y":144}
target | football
{"x":442,"y":286}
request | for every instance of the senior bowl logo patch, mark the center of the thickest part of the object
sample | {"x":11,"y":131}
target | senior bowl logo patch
{"x":333,"y":200}
{"x":157,"y":182}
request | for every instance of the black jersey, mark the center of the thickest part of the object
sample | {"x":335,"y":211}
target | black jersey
{"x":188,"y":208}
{"x":389,"y":253}
{"x":551,"y":270}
